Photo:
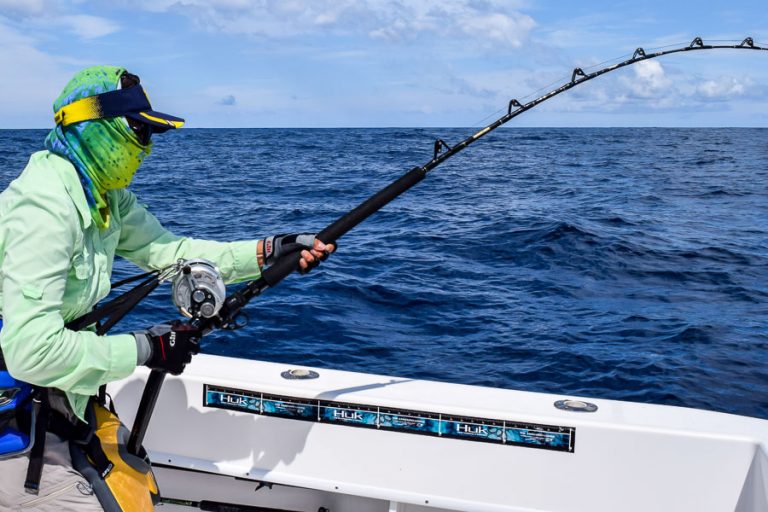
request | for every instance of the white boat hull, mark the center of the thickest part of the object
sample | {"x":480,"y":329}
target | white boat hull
{"x":380,"y":443}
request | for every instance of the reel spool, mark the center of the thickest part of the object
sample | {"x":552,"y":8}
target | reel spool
{"x":198,"y":289}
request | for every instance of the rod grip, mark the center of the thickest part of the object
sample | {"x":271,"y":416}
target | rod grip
{"x":371,"y":205}
{"x":290,"y":262}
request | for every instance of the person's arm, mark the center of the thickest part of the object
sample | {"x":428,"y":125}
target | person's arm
{"x":42,"y":231}
{"x":145,"y":242}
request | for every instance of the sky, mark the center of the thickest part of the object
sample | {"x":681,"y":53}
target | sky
{"x":377,"y":63}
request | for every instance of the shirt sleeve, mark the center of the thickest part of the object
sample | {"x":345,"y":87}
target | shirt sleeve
{"x":41,"y":231}
{"x":150,"y":246}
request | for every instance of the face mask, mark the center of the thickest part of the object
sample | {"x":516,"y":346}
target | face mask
{"x":109,"y":151}
{"x":105,"y":152}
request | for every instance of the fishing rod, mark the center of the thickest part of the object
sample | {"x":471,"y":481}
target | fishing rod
{"x":227,"y":316}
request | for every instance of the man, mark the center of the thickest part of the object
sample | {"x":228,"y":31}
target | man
{"x":62,"y":221}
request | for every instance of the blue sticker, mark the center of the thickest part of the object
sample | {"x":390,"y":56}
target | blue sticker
{"x":410,"y":421}
{"x":289,"y":408}
{"x":350,"y":415}
{"x":232,"y":400}
{"x":536,"y":437}
{"x":475,"y":430}
{"x":406,"y":421}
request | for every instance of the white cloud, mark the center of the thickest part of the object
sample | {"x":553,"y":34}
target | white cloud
{"x":501,"y":28}
{"x":491,"y":22}
{"x":27,"y":94}
{"x":90,"y":27}
{"x":37,"y":76}
{"x":649,"y":79}
{"x":724,"y":87}
{"x":44,"y":14}
{"x":16,"y":9}
{"x":85,"y":26}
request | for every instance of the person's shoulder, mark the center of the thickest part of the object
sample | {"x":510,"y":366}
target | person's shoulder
{"x":47,"y":179}
{"x":47,"y":173}
{"x":123,"y":198}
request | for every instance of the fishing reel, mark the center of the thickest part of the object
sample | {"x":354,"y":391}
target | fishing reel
{"x":198,"y":289}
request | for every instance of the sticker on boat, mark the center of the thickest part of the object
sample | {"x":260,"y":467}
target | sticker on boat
{"x":487,"y":430}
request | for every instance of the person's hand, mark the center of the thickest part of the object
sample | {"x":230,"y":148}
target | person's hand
{"x":312,"y":250}
{"x":172,"y":346}
{"x":312,"y":258}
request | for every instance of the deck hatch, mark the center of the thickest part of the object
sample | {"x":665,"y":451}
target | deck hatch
{"x":429,"y":423}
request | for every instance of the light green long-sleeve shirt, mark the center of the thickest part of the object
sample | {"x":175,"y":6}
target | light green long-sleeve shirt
{"x":55,"y":265}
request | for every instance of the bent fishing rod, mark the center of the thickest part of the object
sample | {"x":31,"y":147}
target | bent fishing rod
{"x":227,"y":316}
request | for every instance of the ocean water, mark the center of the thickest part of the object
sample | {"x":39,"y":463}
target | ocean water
{"x":617,"y":263}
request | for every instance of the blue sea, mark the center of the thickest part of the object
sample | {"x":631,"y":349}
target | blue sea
{"x":626,"y":263}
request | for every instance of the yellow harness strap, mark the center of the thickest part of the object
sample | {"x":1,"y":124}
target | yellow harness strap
{"x":131,"y":488}
{"x":122,"y":481}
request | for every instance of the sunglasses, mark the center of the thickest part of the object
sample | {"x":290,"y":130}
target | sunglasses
{"x":143,"y":131}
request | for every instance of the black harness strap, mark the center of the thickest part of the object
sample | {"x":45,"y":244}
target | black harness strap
{"x":42,"y":410}
{"x":132,"y":279}
{"x":96,"y":453}
{"x":114,"y":310}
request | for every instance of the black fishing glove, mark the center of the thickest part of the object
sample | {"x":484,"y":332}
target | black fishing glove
{"x":172,"y":346}
{"x":277,"y":246}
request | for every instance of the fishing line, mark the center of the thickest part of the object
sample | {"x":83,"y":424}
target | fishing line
{"x":271,"y":276}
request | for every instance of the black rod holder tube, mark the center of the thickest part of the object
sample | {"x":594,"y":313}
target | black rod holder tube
{"x":144,"y":412}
